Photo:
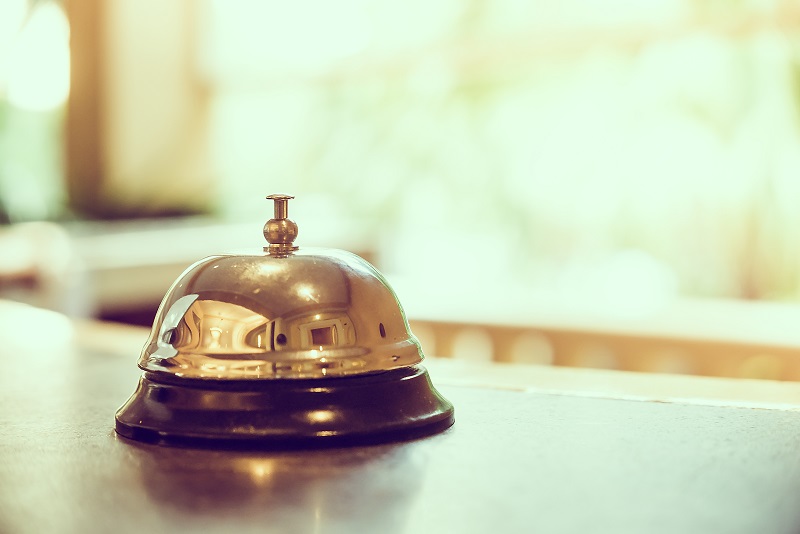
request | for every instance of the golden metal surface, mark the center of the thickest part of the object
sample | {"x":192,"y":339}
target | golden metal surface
{"x":280,"y":231}
{"x":289,"y":313}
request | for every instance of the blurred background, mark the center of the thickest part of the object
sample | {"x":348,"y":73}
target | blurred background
{"x":521,"y":170}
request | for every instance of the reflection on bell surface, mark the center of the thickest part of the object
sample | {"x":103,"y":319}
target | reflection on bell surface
{"x":257,"y":348}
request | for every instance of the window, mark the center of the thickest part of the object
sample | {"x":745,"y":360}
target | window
{"x":610,"y":146}
{"x":34,"y":84}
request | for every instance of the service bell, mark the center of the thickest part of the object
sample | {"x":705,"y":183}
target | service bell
{"x":286,"y":346}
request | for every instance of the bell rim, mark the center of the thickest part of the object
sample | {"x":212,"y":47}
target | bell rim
{"x":386,"y":406}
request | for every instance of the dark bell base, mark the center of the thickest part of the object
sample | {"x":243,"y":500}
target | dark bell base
{"x":389,"y":406}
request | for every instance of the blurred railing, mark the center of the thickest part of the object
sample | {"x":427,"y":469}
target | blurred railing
{"x":602,"y":350}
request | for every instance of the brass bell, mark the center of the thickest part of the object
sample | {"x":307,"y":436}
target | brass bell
{"x":282,"y":347}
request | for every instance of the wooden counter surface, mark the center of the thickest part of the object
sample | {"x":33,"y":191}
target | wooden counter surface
{"x":534,"y":449}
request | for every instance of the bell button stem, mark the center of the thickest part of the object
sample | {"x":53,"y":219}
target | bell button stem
{"x":281,"y":205}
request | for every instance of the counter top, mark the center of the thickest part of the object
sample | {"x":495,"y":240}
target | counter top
{"x":534,"y":449}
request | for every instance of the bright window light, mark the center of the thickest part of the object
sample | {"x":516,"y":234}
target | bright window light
{"x":12,"y":15}
{"x":38,"y":69}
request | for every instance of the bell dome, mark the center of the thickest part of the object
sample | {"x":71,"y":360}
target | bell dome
{"x":309,"y":314}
